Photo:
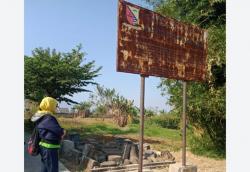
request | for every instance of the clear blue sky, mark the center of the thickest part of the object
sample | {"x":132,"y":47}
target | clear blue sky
{"x":62,"y":24}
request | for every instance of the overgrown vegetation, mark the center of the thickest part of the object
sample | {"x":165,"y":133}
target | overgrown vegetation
{"x":206,"y":101}
{"x":107,"y":102}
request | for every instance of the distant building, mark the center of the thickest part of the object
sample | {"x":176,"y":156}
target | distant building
{"x":82,"y":113}
{"x":63,"y":111}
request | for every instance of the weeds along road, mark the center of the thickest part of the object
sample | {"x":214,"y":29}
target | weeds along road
{"x":32,"y":163}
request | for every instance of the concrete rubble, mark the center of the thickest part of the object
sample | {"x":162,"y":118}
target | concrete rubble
{"x":117,"y":154}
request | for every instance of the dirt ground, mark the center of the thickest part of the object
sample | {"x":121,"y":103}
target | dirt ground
{"x":203,"y":164}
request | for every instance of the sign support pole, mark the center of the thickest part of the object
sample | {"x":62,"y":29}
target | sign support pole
{"x":184,"y":123}
{"x":141,"y":123}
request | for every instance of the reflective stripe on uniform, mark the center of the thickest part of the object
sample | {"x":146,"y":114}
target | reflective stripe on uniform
{"x":48,"y":145}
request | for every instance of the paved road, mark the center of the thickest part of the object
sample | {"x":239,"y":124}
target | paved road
{"x":32,"y":163}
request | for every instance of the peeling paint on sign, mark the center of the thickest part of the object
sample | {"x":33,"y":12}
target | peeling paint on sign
{"x":154,"y":45}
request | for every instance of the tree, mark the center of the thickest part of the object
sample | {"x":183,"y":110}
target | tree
{"x":123,"y":108}
{"x":150,"y":112}
{"x":107,"y":101}
{"x":83,"y":106}
{"x":56,"y":74}
{"x":206,"y":101}
{"x":103,"y":96}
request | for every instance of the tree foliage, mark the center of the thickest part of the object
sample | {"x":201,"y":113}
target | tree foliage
{"x":56,"y":74}
{"x":150,"y":112}
{"x":109,"y":102}
{"x":206,"y":101}
{"x":83,"y":106}
{"x":103,"y":96}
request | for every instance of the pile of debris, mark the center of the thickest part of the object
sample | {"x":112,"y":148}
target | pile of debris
{"x":118,"y":154}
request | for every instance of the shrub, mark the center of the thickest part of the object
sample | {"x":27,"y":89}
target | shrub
{"x":201,"y":144}
{"x":136,"y":120}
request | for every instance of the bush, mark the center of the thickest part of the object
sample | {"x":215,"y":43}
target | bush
{"x":165,"y":121}
{"x":203,"y":145}
{"x":135,"y":120}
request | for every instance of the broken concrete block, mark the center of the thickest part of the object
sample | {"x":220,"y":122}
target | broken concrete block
{"x":87,"y":149}
{"x":112,"y":151}
{"x":149,"y":153}
{"x":126,"y":162}
{"x":87,"y":164}
{"x":151,"y":159}
{"x":146,"y":146}
{"x":100,"y":156}
{"x":134,"y":154}
{"x":67,"y":146}
{"x":75,"y":137}
{"x":115,"y":158}
{"x":126,"y":150}
{"x":167,"y":155}
{"x":108,"y":164}
{"x":157,"y":153}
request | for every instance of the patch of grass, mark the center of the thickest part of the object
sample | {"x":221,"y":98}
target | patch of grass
{"x":102,"y":129}
{"x":151,"y":130}
{"x":94,"y":127}
{"x":156,"y":131}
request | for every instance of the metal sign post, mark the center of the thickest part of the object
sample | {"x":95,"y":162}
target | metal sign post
{"x":150,"y":44}
{"x":184,"y":123}
{"x":141,"y":123}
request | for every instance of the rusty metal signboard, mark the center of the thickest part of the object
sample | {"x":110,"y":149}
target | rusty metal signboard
{"x":153,"y":45}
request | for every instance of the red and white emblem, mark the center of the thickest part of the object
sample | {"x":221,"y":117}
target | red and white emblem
{"x":132,"y":15}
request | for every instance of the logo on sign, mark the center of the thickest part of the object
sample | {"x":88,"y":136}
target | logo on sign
{"x":132,"y":15}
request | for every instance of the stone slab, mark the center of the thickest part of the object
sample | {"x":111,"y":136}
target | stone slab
{"x":114,"y":158}
{"x":67,"y":146}
{"x":108,"y":164}
{"x":87,"y":164}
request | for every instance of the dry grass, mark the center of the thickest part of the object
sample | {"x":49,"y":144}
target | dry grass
{"x":203,"y":164}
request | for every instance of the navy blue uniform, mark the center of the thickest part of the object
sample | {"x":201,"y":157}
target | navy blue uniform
{"x":50,"y":133}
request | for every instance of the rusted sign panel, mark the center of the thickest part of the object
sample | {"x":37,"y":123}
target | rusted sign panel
{"x":151,"y":44}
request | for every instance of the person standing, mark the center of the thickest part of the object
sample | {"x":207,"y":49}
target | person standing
{"x":50,"y":133}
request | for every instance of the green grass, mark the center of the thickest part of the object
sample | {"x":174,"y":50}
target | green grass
{"x":158,"y":132}
{"x":102,"y":128}
{"x":161,"y":138}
